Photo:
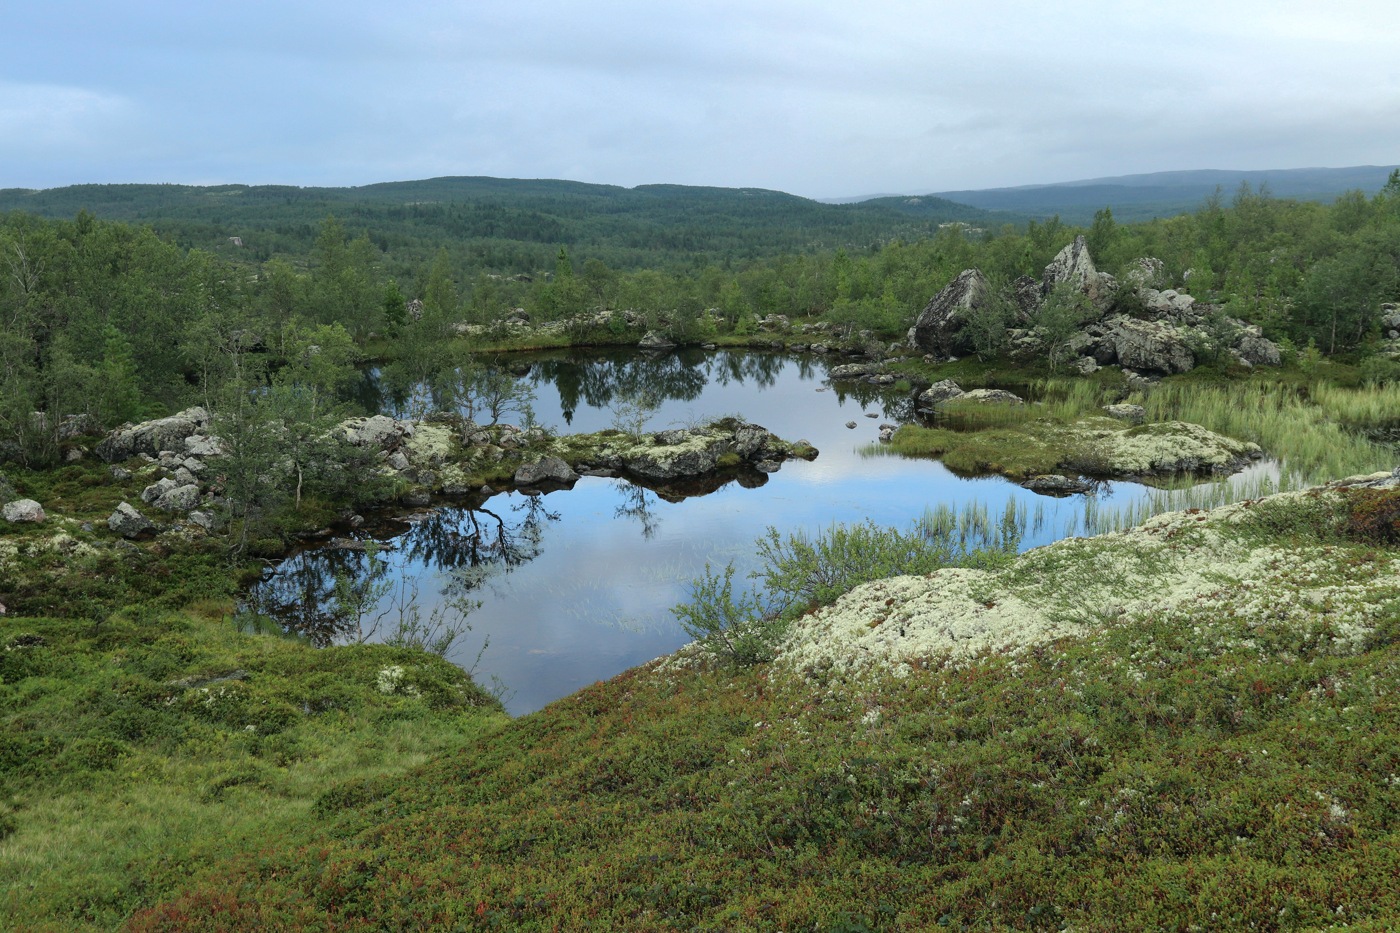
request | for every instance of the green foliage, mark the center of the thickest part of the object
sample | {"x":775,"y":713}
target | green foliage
{"x":742,"y":631}
{"x":1065,"y":310}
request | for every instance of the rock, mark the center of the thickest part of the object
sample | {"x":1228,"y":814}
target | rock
{"x":655,"y":341}
{"x":938,"y":329}
{"x":1053,"y":484}
{"x":74,"y":454}
{"x":1085,"y":366}
{"x":1171,"y":305}
{"x":194,"y":465}
{"x":992,"y":396}
{"x":1137,"y":382}
{"x":157,"y":489}
{"x":179,"y":499}
{"x":939,"y":392}
{"x":1390,"y":316}
{"x":205,"y":520}
{"x":416,"y":498}
{"x":23,"y":510}
{"x":1025,"y":291}
{"x":1145,"y":273}
{"x":1074,"y":266}
{"x":128,"y":522}
{"x":548,"y":469}
{"x":1150,"y":345}
{"x":376,"y":432}
{"x":850,"y":424}
{"x":202,"y":445}
{"x":183,"y":477}
{"x":1125,"y":412}
{"x":887,"y":432}
{"x":151,"y":437}
{"x":856,"y":370}
{"x":119,"y":474}
{"x":1258,"y":351}
{"x":767,"y":466}
{"x":398,"y":461}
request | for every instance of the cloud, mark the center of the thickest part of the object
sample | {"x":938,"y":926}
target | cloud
{"x":44,"y":119}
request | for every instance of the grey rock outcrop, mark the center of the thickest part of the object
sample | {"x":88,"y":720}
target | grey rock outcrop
{"x":939,"y":392}
{"x":1257,"y":350}
{"x":157,"y":489}
{"x":1074,"y":266}
{"x":151,"y":437}
{"x":938,"y":329}
{"x":180,"y":499}
{"x":376,"y":432}
{"x":128,"y":522}
{"x":22,"y":511}
{"x":547,"y":469}
{"x":1150,"y":345}
{"x":992,"y":397}
{"x":1053,"y":484}
{"x":1125,"y":412}
{"x":655,"y":341}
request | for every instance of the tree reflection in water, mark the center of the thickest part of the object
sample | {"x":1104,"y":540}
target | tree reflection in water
{"x":468,"y":547}
{"x":636,"y":505}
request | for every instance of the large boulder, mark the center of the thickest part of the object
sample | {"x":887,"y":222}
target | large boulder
{"x":1147,"y":272}
{"x":655,"y":341}
{"x":23,"y":510}
{"x":378,"y":432}
{"x":1169,"y":305}
{"x":128,"y":522}
{"x":939,"y":392}
{"x":1073,"y":265}
{"x":1154,"y":346}
{"x":938,"y":329}
{"x":151,"y":437}
{"x":180,"y":499}
{"x":548,"y":469}
{"x":1257,"y":350}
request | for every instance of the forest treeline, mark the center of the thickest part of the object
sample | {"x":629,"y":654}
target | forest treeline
{"x":113,"y":321}
{"x":506,"y":226}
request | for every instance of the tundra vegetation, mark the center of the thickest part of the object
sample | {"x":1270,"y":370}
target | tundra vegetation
{"x":1162,"y":741}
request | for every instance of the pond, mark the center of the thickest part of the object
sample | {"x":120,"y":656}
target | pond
{"x":576,"y":585}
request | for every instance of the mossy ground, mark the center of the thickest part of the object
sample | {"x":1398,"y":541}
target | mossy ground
{"x":1143,"y":776}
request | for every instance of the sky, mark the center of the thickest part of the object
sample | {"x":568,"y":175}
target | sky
{"x":816,"y":98}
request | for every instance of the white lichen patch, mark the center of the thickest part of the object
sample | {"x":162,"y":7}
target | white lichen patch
{"x":1163,"y":447}
{"x":431,"y":443}
{"x":1205,"y":572}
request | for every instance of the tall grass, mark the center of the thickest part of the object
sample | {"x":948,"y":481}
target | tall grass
{"x":1313,"y":437}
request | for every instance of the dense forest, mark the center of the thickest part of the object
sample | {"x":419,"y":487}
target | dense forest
{"x":506,"y":226}
{"x":112,"y":321}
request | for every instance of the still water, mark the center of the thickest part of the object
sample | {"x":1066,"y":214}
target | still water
{"x":576,"y":585}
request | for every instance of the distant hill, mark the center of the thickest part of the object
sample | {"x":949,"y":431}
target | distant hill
{"x":506,"y":225}
{"x":1164,"y":194}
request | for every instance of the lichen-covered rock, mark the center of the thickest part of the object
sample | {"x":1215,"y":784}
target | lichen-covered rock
{"x":128,"y":522}
{"x":855,"y":370}
{"x":1169,"y":447}
{"x":23,"y":511}
{"x":1258,"y":351}
{"x":202,"y":445}
{"x":991,"y":397}
{"x":938,"y":329}
{"x":179,"y":499}
{"x":376,"y":432}
{"x":655,"y":341}
{"x":939,"y":392}
{"x":1125,"y":412}
{"x":546,"y":469}
{"x":1053,"y":484}
{"x":1073,"y":266}
{"x":151,"y":437}
{"x":157,"y":489}
{"x":1150,"y":345}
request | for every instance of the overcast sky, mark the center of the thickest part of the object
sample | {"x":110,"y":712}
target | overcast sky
{"x":817,"y":98}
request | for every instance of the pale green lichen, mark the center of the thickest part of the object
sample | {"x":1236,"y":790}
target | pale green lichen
{"x":431,"y":443}
{"x":1201,"y":570}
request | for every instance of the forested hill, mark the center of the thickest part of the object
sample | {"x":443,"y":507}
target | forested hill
{"x":507,"y":225}
{"x":1164,"y":194}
